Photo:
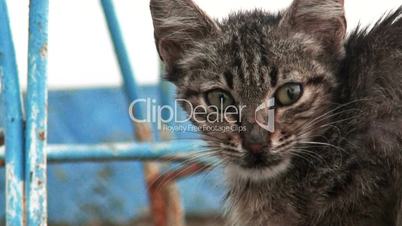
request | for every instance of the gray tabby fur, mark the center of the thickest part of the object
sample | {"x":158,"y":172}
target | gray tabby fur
{"x":335,"y":155}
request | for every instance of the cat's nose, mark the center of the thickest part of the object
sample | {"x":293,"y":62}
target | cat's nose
{"x":254,"y":148}
{"x":255,"y":139}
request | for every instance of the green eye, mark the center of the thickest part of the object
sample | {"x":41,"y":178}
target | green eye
{"x":288,"y":94}
{"x":219,"y":99}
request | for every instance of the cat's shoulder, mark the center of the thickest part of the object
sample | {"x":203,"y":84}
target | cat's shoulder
{"x":375,"y":50}
{"x":372,"y":67}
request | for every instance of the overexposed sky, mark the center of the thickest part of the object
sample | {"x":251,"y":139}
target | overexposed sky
{"x":80,"y":51}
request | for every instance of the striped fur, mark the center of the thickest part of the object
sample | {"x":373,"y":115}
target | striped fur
{"x":335,"y":155}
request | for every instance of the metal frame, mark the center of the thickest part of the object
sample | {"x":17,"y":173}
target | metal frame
{"x":26,"y":151}
{"x":162,"y":215}
{"x":36,"y":122}
{"x":14,"y":144}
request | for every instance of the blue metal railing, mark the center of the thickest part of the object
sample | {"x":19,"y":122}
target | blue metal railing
{"x":36,"y":122}
{"x":130,"y":84}
{"x":26,"y":152}
{"x":14,"y":144}
{"x":172,"y":151}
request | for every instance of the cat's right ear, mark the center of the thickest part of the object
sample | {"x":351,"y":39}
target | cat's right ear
{"x":178,"y":25}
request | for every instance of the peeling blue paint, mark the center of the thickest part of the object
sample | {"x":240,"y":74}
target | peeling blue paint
{"x":28,"y":168}
{"x":77,"y":118}
{"x":36,"y":125}
{"x":174,"y":151}
{"x":13,"y":121}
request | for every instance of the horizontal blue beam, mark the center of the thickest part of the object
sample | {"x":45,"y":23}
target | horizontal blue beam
{"x":164,"y":151}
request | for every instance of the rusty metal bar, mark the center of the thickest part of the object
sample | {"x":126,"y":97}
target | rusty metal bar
{"x":36,"y":125}
{"x":142,"y":129}
{"x":14,"y":142}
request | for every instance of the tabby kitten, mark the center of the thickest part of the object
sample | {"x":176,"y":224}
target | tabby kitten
{"x":334,"y":155}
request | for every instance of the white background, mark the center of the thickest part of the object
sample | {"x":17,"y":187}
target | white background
{"x":80,"y":51}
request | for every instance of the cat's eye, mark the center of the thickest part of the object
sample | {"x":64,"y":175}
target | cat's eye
{"x":219,"y":99}
{"x":288,"y":94}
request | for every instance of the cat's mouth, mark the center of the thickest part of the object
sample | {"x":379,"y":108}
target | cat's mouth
{"x":256,"y":163}
{"x":260,"y":161}
{"x":258,"y":169}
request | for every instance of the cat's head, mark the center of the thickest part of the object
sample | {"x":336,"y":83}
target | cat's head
{"x":252,"y":60}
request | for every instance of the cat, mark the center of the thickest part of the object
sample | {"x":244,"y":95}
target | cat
{"x":334,"y":157}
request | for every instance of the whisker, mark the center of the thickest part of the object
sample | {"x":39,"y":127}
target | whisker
{"x":331,"y":124}
{"x":326,"y":114}
{"x":323,"y":144}
{"x":314,"y":122}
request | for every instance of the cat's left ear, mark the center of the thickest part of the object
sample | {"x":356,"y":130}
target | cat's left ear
{"x":179,"y":25}
{"x":324,"y":20}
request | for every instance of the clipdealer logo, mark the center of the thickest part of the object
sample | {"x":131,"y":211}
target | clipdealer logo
{"x":171,"y":115}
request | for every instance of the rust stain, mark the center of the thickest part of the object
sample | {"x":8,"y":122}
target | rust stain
{"x":43,"y":51}
{"x":157,"y":197}
{"x":158,"y":205}
{"x":42,"y":135}
{"x":143,"y":132}
{"x":175,"y":211}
